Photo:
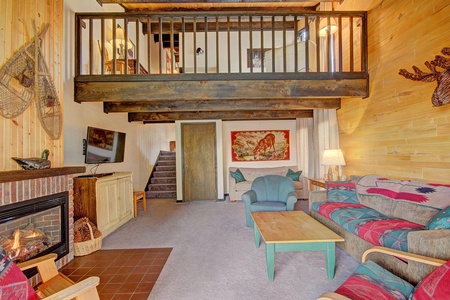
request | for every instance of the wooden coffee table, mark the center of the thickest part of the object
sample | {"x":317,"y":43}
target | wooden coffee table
{"x":289,"y":231}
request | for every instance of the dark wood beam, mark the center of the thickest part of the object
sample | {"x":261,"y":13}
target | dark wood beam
{"x":141,"y":88}
{"x":223,"y":115}
{"x":221,"y":105}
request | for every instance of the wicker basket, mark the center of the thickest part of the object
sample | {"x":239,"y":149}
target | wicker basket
{"x":87,"y":247}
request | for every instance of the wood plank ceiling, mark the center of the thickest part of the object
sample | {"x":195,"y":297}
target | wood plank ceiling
{"x":151,"y":111}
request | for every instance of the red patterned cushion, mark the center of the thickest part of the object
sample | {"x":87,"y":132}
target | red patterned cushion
{"x":435,"y":285}
{"x":14,"y":284}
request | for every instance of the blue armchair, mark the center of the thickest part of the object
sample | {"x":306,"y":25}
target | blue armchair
{"x":269,"y":193}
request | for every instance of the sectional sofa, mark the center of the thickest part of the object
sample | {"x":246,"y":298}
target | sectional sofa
{"x":402,"y":215}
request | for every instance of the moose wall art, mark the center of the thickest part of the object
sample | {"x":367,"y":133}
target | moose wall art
{"x":260,"y":145}
{"x":441,"y":95}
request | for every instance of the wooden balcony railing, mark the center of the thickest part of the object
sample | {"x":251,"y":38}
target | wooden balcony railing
{"x":222,"y":45}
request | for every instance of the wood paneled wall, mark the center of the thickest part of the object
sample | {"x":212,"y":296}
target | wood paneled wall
{"x":396,"y":132}
{"x":24,"y":136}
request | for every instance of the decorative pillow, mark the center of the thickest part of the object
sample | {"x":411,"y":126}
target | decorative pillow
{"x":341,"y":191}
{"x":294,"y":175}
{"x":237,"y":175}
{"x":435,"y":285}
{"x":441,"y":220}
{"x":13,"y":283}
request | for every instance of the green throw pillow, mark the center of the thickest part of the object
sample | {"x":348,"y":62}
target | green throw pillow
{"x":441,"y":220}
{"x":294,"y":175}
{"x":237,"y":175}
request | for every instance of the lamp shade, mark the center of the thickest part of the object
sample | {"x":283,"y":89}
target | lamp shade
{"x":333,"y":157}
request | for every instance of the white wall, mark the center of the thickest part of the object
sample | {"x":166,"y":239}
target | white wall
{"x":229,"y":126}
{"x":143,"y":142}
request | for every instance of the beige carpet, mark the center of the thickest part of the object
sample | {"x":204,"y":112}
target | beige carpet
{"x":214,"y":255}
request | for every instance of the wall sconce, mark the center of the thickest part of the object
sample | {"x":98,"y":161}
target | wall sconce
{"x":121,"y":45}
{"x":334,"y":159}
{"x":199,"y":51}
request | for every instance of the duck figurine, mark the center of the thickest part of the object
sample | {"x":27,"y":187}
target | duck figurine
{"x":34,"y":163}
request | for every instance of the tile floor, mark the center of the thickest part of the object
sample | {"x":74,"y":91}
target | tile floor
{"x":124,"y":274}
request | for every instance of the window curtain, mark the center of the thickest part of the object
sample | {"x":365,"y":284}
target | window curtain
{"x":314,"y":136}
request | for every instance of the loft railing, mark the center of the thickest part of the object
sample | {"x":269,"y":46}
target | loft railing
{"x":220,"y":43}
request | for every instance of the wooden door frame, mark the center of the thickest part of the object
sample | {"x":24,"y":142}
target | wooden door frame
{"x":213,"y":124}
{"x":219,"y":158}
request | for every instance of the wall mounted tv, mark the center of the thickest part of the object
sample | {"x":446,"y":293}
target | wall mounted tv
{"x":104,"y":146}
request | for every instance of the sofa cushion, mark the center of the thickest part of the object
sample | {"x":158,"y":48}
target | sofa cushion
{"x":370,"y":281}
{"x":237,"y":175}
{"x":368,"y":224}
{"x":341,"y":192}
{"x":268,"y":206}
{"x":13,"y":283}
{"x":435,"y":285}
{"x":441,"y":220}
{"x":294,"y":175}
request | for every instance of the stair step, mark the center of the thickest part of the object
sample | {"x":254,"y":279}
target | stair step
{"x":164,"y":174}
{"x":166,"y":168}
{"x":161,"y":194}
{"x":166,"y":163}
{"x":163,"y":180}
{"x":162,"y":187}
{"x":167,"y":153}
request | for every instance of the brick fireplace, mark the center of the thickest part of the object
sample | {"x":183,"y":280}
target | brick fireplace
{"x":26,"y":186}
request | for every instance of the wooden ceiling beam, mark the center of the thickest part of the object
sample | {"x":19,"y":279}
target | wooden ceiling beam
{"x":221,"y":105}
{"x":112,"y":91}
{"x":223,"y":115}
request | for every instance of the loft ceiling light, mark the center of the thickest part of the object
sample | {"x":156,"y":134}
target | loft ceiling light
{"x":334,"y":159}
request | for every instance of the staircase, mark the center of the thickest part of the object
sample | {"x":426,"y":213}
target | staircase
{"x":162,"y":182}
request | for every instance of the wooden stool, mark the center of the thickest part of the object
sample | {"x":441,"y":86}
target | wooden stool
{"x":139,"y":196}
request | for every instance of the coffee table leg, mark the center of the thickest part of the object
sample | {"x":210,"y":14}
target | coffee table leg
{"x":330,"y":258}
{"x":270,"y":258}
{"x":257,"y":235}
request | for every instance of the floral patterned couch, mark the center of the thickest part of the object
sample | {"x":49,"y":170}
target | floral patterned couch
{"x":402,"y":215}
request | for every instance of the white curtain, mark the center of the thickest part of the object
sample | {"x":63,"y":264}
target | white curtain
{"x":313,"y":137}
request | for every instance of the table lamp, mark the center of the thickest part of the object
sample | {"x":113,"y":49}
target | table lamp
{"x":334,"y":159}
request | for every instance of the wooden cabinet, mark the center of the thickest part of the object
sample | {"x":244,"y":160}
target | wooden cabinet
{"x":107,"y":201}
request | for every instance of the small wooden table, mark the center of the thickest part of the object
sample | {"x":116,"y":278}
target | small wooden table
{"x":289,"y":231}
{"x":316,"y":182}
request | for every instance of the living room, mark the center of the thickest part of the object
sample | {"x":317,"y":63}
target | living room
{"x":396,"y":132}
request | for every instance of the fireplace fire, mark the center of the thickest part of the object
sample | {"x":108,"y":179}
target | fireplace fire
{"x":35,"y":227}
{"x":26,"y":242}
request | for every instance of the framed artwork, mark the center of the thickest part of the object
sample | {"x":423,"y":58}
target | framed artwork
{"x":263,"y":145}
{"x":255,"y":57}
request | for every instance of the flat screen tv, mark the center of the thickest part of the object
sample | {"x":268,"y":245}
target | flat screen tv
{"x":104,"y":146}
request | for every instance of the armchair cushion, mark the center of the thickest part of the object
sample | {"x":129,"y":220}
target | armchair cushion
{"x":435,"y":285}
{"x":269,"y":193}
{"x":369,"y":279}
{"x":13,"y":283}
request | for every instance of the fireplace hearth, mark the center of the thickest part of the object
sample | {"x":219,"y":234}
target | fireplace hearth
{"x":35,"y":227}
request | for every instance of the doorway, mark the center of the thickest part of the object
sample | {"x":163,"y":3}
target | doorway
{"x":199,"y":161}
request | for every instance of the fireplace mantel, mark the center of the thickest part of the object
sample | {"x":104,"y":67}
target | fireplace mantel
{"x":18,"y":175}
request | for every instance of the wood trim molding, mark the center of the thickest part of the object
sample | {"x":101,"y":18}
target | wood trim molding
{"x":18,"y":175}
